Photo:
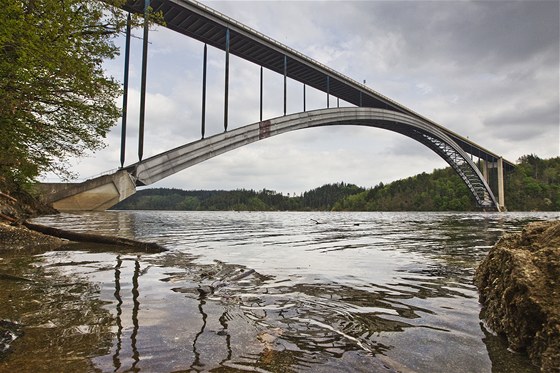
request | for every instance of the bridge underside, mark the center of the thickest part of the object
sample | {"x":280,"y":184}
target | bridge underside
{"x":202,"y":23}
{"x":215,"y":29}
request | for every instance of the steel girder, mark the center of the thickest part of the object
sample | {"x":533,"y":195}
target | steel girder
{"x":466,"y":170}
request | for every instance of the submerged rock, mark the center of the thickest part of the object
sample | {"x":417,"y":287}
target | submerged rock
{"x":9,"y":332}
{"x":519,"y":284}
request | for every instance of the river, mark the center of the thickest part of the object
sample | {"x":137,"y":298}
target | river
{"x":262,"y":291}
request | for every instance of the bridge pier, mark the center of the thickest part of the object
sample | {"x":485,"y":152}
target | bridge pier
{"x":485,"y":167}
{"x":143,"y":82}
{"x":125,"y":88}
{"x":483,"y":164}
{"x":501,"y":192}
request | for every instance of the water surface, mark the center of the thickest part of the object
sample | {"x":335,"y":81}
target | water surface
{"x":262,"y":291}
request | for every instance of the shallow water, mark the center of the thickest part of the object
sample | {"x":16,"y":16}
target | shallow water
{"x":357,"y":292}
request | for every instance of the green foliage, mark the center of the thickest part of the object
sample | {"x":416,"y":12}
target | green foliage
{"x":56,"y":100}
{"x":321,"y":198}
{"x":325,"y":197}
{"x":442,"y":190}
{"x":534,"y":185}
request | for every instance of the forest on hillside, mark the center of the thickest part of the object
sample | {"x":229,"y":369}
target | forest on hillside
{"x":534,"y":185}
{"x":318,"y":199}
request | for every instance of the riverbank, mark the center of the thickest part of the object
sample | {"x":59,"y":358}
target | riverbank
{"x":16,"y":206}
{"x":21,"y":238}
{"x":16,"y":233}
{"x":17,"y":240}
{"x":20,"y":242}
{"x":519,"y":284}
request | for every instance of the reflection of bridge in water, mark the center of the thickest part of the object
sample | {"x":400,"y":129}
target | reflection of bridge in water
{"x":370,"y":109}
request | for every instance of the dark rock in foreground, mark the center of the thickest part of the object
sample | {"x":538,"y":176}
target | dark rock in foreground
{"x":9,"y":331}
{"x":519,"y":284}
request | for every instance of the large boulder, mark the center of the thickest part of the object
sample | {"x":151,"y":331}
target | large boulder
{"x":17,"y":204}
{"x":519,"y":284}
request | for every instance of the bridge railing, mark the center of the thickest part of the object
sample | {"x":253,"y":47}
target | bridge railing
{"x":79,"y":179}
{"x":295,"y":52}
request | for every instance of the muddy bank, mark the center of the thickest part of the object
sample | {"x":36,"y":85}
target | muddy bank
{"x":19,"y":238}
{"x":33,"y":238}
{"x":519,"y":284}
{"x":17,"y":204}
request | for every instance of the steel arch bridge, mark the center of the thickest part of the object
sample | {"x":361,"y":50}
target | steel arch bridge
{"x":217,"y":30}
{"x":153,"y":169}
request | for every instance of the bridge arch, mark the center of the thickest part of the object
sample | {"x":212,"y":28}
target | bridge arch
{"x":434,"y":137}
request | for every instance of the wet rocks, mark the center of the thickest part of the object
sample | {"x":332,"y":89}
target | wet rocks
{"x":17,"y":204}
{"x":9,"y":332}
{"x":519,"y":284}
{"x":18,"y":238}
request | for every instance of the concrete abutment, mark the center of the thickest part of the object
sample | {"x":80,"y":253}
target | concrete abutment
{"x":96,"y":194}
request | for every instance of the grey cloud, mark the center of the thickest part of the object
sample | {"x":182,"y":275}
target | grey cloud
{"x":544,"y":115}
{"x":493,"y":33}
{"x":525,"y":123}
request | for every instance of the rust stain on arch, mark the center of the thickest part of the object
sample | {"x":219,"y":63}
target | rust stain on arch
{"x":264,"y":129}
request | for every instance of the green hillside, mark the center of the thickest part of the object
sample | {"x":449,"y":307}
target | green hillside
{"x":319,"y":199}
{"x":534,"y":185}
{"x":442,"y":190}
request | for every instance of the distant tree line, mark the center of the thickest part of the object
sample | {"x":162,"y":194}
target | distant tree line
{"x":319,"y":199}
{"x":534,"y":185}
{"x":442,"y":190}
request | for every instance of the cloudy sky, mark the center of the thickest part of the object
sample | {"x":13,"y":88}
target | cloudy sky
{"x":488,"y":70}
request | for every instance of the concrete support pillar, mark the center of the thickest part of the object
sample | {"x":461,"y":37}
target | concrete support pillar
{"x":484,"y":169}
{"x":96,"y":194}
{"x":501,"y":195}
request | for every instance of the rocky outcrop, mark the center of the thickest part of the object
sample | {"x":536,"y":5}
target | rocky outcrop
{"x":519,"y":285}
{"x":17,"y":204}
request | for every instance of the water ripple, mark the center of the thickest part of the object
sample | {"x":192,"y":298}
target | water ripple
{"x":278,"y":292}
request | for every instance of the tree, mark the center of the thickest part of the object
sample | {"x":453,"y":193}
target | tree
{"x":534,"y":185}
{"x":56,"y":101}
{"x":189,"y":203}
